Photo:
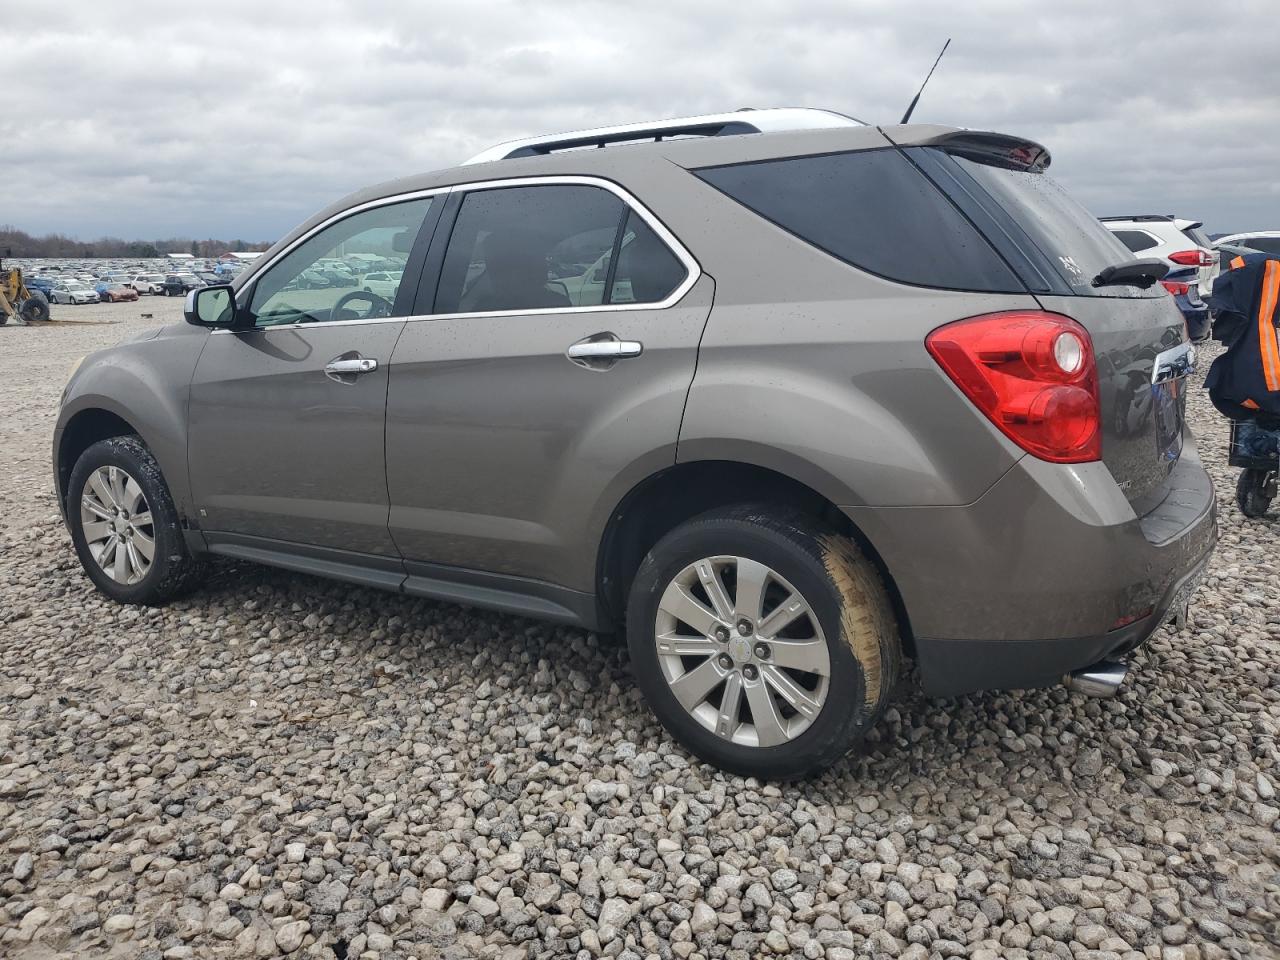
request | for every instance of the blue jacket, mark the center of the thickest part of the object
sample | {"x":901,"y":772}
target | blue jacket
{"x":1244,"y":382}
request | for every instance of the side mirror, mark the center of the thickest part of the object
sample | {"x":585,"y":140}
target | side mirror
{"x":211,"y":306}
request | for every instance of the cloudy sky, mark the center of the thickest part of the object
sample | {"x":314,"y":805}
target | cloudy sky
{"x":239,"y":119}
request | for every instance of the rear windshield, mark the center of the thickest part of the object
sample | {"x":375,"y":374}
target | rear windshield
{"x":1197,"y":236}
{"x":1069,"y":236}
{"x":873,"y":209}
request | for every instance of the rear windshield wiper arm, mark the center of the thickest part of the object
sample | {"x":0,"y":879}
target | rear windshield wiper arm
{"x":1136,"y":273}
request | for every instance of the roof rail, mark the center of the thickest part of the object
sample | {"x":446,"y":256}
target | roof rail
{"x":709,"y":125}
{"x":1143,"y":217}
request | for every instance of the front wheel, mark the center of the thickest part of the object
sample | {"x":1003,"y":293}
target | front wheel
{"x":35,"y":309}
{"x":1255,"y":489}
{"x":764,"y":643}
{"x":124,"y":524}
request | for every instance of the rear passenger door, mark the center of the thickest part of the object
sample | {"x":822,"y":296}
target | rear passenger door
{"x":549,"y":377}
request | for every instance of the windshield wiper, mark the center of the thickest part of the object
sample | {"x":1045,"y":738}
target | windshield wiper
{"x":1137,"y":273}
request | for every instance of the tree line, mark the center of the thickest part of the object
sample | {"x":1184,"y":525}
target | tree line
{"x":19,"y":243}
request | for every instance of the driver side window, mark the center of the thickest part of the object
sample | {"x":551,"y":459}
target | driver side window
{"x":350,"y":270}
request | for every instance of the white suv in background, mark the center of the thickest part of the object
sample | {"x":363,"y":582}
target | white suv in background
{"x":1179,"y":242}
{"x":146,"y":283}
{"x":1264,"y":241}
{"x":382,"y":284}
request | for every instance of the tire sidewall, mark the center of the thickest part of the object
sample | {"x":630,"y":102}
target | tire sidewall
{"x":844,"y":714}
{"x":130,"y":455}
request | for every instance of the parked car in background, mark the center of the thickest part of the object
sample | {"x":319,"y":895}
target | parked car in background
{"x":72,"y":291}
{"x":778,"y":502}
{"x":177,"y":284}
{"x":117,"y":293}
{"x":1193,"y":263}
{"x":313,"y":278}
{"x":147,"y":283}
{"x":1182,"y":243}
{"x":208,"y":277}
{"x":1260,"y":241}
{"x":43,"y":284}
{"x":383,"y":284}
{"x":1185,"y":289}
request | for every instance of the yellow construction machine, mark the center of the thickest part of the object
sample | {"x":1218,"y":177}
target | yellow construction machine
{"x":17,"y":300}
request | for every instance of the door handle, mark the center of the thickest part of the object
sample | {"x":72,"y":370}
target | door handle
{"x":603,"y":350}
{"x":346,"y":368}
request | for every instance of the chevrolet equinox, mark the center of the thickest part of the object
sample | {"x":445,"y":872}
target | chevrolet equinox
{"x":785,"y":396}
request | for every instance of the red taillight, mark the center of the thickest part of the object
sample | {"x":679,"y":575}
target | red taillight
{"x":1192,"y":258}
{"x":1032,"y":374}
{"x":1177,"y":288}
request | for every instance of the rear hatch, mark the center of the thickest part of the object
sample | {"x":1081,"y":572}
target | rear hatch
{"x":1056,"y":247}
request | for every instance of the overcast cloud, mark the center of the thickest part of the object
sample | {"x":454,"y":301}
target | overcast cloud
{"x":239,"y":119}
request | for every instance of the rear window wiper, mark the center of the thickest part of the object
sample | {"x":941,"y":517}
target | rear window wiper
{"x":1137,"y":273}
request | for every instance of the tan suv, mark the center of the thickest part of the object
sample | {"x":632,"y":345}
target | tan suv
{"x":786,"y":395}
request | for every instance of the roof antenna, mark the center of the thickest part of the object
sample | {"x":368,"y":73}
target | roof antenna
{"x":916,"y":99}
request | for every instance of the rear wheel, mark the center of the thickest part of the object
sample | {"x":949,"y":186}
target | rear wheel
{"x":764,"y":644}
{"x":124,"y":524}
{"x":1255,"y":490}
{"x":35,"y":309}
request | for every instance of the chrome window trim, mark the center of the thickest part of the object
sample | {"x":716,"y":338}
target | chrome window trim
{"x":693,"y":270}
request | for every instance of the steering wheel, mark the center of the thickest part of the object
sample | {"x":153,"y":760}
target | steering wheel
{"x":378,"y":306}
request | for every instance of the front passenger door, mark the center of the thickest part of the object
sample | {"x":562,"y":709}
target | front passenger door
{"x":287,"y":415}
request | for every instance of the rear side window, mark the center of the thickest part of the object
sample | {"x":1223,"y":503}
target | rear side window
{"x":1136,"y":240}
{"x":647,"y":269}
{"x":552,"y":247}
{"x":872,"y":209}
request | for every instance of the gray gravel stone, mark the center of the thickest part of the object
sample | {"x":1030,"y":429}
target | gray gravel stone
{"x":23,"y":869}
{"x":289,"y":937}
{"x":278,"y":760}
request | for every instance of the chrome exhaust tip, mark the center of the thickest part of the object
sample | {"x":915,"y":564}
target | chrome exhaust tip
{"x":1102,"y":679}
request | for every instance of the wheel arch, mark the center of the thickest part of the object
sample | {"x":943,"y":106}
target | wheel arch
{"x":81,"y":431}
{"x":671,"y":496}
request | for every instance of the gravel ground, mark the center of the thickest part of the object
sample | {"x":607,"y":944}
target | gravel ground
{"x":281,"y":764}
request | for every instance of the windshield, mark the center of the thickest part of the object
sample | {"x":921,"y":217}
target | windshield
{"x":1073,"y":240}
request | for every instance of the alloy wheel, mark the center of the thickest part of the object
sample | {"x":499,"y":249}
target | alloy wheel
{"x":117,"y":524}
{"x":742,"y":651}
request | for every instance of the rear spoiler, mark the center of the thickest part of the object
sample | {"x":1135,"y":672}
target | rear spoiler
{"x":996,"y":149}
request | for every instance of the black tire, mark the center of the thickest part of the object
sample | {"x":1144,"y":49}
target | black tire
{"x":35,"y":309}
{"x":173,"y":569}
{"x":845,"y":593}
{"x":1251,"y":493}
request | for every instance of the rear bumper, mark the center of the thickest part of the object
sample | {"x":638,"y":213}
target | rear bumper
{"x":1030,"y":581}
{"x":952,"y":667}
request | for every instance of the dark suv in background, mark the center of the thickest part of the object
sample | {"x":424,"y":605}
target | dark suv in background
{"x":786,"y":395}
{"x":178,"y":284}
